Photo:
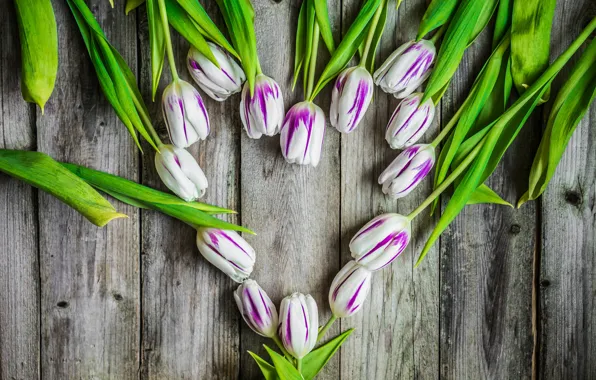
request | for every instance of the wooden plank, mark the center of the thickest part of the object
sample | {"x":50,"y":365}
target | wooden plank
{"x":567,"y":283}
{"x":90,"y":287}
{"x":19,"y":265}
{"x":486,"y":263}
{"x":396,"y":333}
{"x":190,"y":321}
{"x":293,"y":209}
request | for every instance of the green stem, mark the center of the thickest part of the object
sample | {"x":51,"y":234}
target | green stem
{"x":371,"y":34}
{"x":299,"y":365}
{"x":166,"y":31}
{"x":313,"y":62}
{"x":326,"y":327}
{"x":439,"y":33}
{"x":147,"y":121}
{"x":445,"y":131}
{"x":448,"y":181}
{"x":282,"y":348}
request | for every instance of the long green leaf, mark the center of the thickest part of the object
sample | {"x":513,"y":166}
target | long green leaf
{"x":314,"y":362}
{"x":487,"y":12}
{"x":530,"y":40}
{"x":132,"y":5}
{"x":39,"y":49}
{"x":484,"y":194}
{"x":207,"y":27}
{"x":378,"y":33}
{"x":157,"y":44}
{"x":502,"y":21}
{"x":267,"y":369}
{"x":322,"y":15}
{"x":285,"y":369}
{"x":570,"y":106}
{"x":436,"y":15}
{"x":301,"y":42}
{"x":348,"y":45}
{"x":41,"y":171}
{"x":462,"y":30}
{"x":310,"y":35}
{"x":498,"y":139}
{"x":185,"y":25}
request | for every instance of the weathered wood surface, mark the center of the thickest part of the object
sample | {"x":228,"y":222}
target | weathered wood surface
{"x":506,"y":294}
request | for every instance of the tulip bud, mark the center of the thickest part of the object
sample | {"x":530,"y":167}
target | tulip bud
{"x":349,"y":289}
{"x":180,"y":172}
{"x":302,"y":134}
{"x":184,"y":114}
{"x":380,"y":241}
{"x":408,"y":169}
{"x":350,"y":98}
{"x":409,"y":121}
{"x":406,"y":69}
{"x":262,"y":113}
{"x":298,"y":324}
{"x":218,"y":83}
{"x":228,"y":251}
{"x":256,"y":308}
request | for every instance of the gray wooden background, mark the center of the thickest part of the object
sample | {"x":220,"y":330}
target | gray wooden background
{"x":506,"y":294}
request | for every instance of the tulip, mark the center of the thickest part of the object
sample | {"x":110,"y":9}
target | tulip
{"x":409,"y":121}
{"x":302,"y":134}
{"x":349,"y":289}
{"x":218,"y":83}
{"x":263,"y":112}
{"x":228,"y":251}
{"x":406,"y":69}
{"x":298,"y":324}
{"x":380,"y":241}
{"x":408,"y":169}
{"x":180,"y":172}
{"x":350,"y":98}
{"x":184,"y":114}
{"x":256,"y":308}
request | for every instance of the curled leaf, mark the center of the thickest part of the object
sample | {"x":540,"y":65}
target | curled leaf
{"x":437,"y":14}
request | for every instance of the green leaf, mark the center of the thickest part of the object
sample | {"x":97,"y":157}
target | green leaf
{"x":132,"y":5}
{"x":487,"y":12}
{"x":284,"y":368}
{"x":378,"y":33}
{"x":316,"y":360}
{"x":570,"y":106}
{"x":42,"y":172}
{"x":530,"y":40}
{"x":502,"y":22}
{"x":301,"y":42}
{"x":348,"y":45}
{"x":207,"y":27}
{"x":437,"y":14}
{"x":310,"y":35}
{"x":462,"y":30}
{"x":322,"y":14}
{"x":39,"y":49}
{"x":157,"y":44}
{"x":484,"y":194}
{"x":267,"y":369}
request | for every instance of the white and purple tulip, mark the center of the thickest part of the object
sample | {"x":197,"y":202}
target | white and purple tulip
{"x":184,"y":114}
{"x":408,"y":169}
{"x":218,"y":83}
{"x":380,"y":241}
{"x":409,"y":121}
{"x":256,"y":308}
{"x":350,"y":98}
{"x":180,"y":172}
{"x":302,"y":134}
{"x":349,"y":289}
{"x":228,"y":251}
{"x":407,"y":68}
{"x":298,"y":324}
{"x":262,"y":113}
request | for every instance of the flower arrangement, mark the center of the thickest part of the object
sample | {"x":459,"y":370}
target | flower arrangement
{"x":464,"y":154}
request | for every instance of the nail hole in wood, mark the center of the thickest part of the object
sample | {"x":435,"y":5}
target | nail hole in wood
{"x":117,"y":297}
{"x":573,"y":198}
{"x":545,"y":283}
{"x":515,"y":229}
{"x":62,"y":304}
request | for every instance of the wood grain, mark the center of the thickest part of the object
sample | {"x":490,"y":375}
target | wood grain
{"x":400,"y":318}
{"x":293,"y":209}
{"x":90,"y":319}
{"x":19,"y":265}
{"x":567,"y":284}
{"x":486,"y":262}
{"x":190,"y":322}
